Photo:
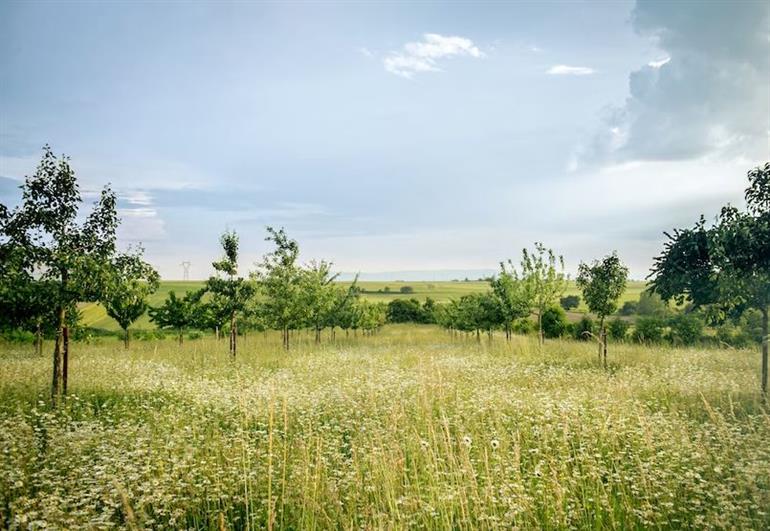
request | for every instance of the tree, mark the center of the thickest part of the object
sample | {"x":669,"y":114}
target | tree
{"x":279,"y":280}
{"x":130,"y":281}
{"x":178,"y":314}
{"x":570,"y":302}
{"x":543,"y":273}
{"x":318,"y":295}
{"x":513,"y":296}
{"x":46,"y":233}
{"x":725,"y":264}
{"x":686,"y":328}
{"x":602,"y":284}
{"x":230,"y":293}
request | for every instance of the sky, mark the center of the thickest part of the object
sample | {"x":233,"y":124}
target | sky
{"x":391,"y":137}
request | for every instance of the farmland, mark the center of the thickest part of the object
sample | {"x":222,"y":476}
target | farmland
{"x":93,"y":315}
{"x":409,"y":427}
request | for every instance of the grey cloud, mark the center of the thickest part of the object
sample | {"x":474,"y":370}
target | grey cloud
{"x":712,"y":97}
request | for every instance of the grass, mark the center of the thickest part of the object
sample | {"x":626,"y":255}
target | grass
{"x":94,"y":316}
{"x":410,"y":428}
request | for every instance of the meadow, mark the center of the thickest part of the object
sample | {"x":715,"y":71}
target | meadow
{"x":93,"y":315}
{"x":408,"y":428}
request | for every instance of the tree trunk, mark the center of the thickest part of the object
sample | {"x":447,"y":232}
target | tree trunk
{"x":765,"y":341}
{"x":317,"y":335}
{"x":540,"y":336}
{"x":233,"y":332}
{"x":216,"y":332}
{"x":478,"y":335}
{"x":601,"y":341}
{"x":65,"y":357}
{"x":181,"y":336}
{"x":39,"y":339}
{"x":125,"y":338}
{"x":57,"y":364}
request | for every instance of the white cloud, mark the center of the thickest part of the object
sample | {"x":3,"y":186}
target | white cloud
{"x":659,"y":63}
{"x":366,"y":52}
{"x":566,"y":70}
{"x":424,"y":55}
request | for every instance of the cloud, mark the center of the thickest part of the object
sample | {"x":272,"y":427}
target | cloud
{"x":423,"y":56}
{"x":566,"y":70}
{"x":709,"y":96}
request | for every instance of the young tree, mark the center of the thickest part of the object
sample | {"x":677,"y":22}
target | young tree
{"x":513,"y":296}
{"x":543,"y":273}
{"x":602,"y":284}
{"x":178,"y":314}
{"x":279,"y":280}
{"x":318,"y":295}
{"x":129,"y":282}
{"x":569,"y":302}
{"x":73,"y":255}
{"x":231,"y":294}
{"x":726,"y":264}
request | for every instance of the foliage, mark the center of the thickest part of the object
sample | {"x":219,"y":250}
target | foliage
{"x":618,"y":328}
{"x":555,"y":322}
{"x":280,"y":279}
{"x":48,"y":240}
{"x":685,"y":328}
{"x":629,"y":308}
{"x":514,"y":296}
{"x":726,"y":264}
{"x":406,"y":289}
{"x":649,"y":329}
{"x":178,"y":314}
{"x":570,"y":302}
{"x":543,"y":274}
{"x":130,"y":280}
{"x":404,"y":311}
{"x":584,"y":329}
{"x":602,"y":283}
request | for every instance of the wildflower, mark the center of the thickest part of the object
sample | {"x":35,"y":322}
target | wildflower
{"x":495,"y":444}
{"x":424,"y":444}
{"x":467,"y":441}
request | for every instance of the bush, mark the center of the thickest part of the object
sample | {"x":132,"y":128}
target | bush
{"x":16,"y":335}
{"x":686,"y":329}
{"x":523,"y":326}
{"x":404,"y":311}
{"x":651,"y":304}
{"x":582,"y":328}
{"x":194,"y":335}
{"x":406,"y":289}
{"x":617,"y":329}
{"x":554,"y":322}
{"x":751,"y":325}
{"x":570,"y":302}
{"x":629,"y":308}
{"x":648,"y":330}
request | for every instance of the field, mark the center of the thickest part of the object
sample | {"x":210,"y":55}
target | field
{"x":410,"y":428}
{"x":93,"y":315}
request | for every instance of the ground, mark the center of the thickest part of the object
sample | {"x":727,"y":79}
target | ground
{"x":408,"y":428}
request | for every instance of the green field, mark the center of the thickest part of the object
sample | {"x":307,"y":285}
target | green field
{"x":405,"y":429}
{"x":93,"y":315}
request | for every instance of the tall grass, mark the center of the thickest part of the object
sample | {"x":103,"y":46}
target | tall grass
{"x":409,"y":428}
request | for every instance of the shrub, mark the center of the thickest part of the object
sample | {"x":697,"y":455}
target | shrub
{"x":686,"y":329}
{"x":523,"y":326}
{"x":751,"y":325}
{"x":570,"y":302}
{"x":404,"y":311}
{"x":554,"y":322}
{"x":617,"y":329}
{"x":629,"y":308}
{"x":582,"y":328}
{"x":16,"y":335}
{"x":648,"y":329}
{"x":651,"y":304}
{"x":406,"y":289}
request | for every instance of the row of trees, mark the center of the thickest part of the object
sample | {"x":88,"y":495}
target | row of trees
{"x":52,"y":258}
{"x":281,"y":294}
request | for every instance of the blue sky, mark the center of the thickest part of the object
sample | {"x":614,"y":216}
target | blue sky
{"x":390,"y":136}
